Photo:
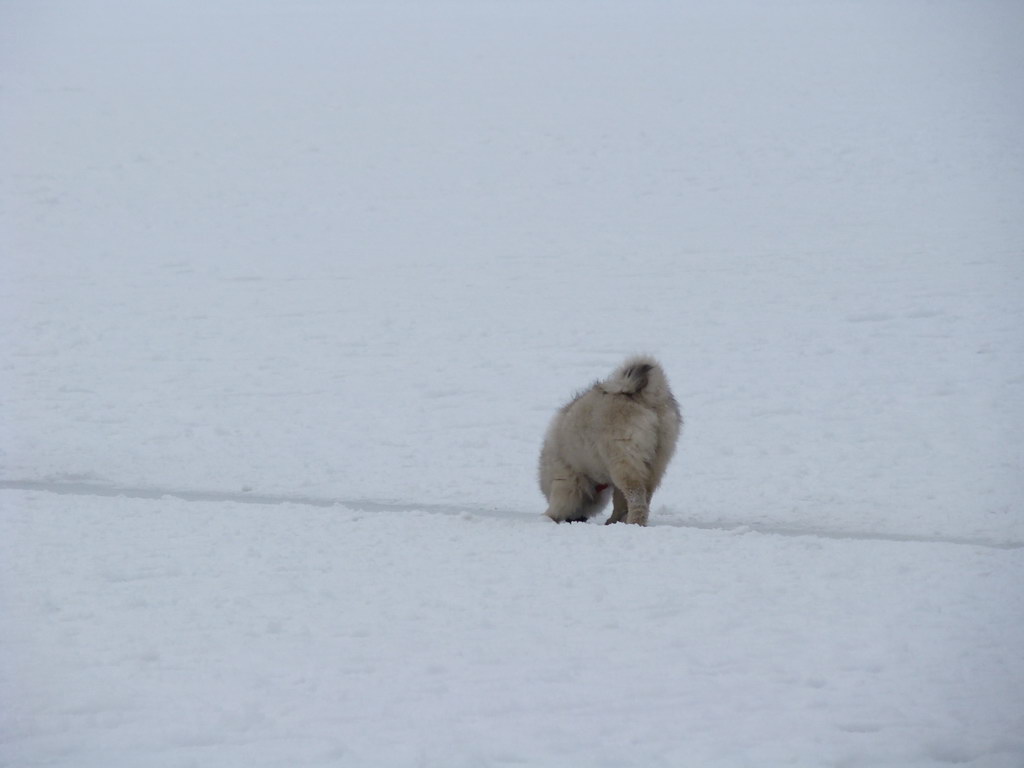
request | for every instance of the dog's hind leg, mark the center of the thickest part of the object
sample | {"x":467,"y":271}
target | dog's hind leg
{"x":618,"y":508}
{"x":634,"y":492}
{"x":637,"y":505}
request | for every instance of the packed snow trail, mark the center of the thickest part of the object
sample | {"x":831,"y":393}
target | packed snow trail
{"x":664,"y":518}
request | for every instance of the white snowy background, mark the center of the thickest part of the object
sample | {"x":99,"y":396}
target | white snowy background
{"x":289,"y":291}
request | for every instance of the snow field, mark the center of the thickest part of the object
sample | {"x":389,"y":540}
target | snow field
{"x":364,"y":251}
{"x":173,"y":633}
{"x":316,"y":252}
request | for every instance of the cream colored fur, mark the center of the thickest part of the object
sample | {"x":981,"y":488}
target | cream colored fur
{"x":620,"y":433}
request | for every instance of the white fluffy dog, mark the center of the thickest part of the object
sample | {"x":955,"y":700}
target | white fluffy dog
{"x":620,"y":435}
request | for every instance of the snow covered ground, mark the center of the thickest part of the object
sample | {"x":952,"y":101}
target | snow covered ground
{"x":289,"y":292}
{"x":176,"y":633}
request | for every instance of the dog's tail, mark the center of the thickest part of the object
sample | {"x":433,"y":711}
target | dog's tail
{"x":631,"y":377}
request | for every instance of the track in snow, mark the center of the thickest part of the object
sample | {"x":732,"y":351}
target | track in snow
{"x":80,"y":488}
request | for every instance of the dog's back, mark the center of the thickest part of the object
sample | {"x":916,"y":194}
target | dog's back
{"x":621,"y":432}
